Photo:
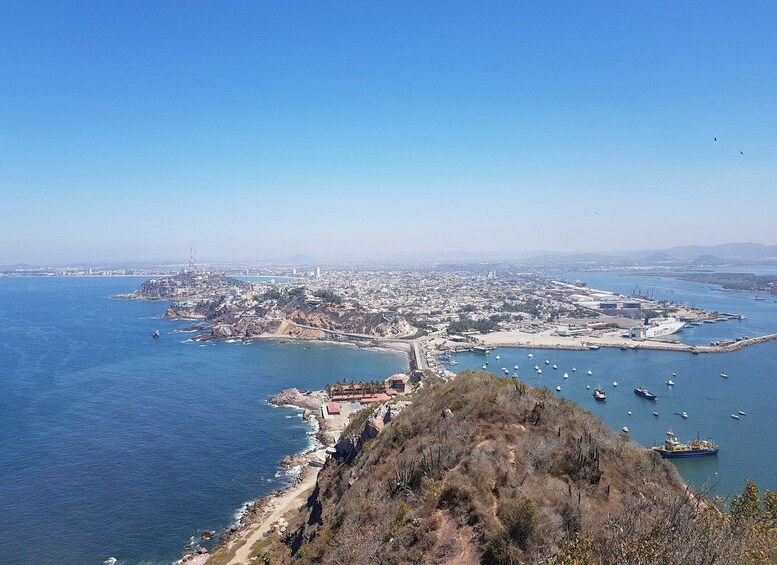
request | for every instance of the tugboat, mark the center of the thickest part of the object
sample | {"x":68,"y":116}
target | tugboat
{"x":696,"y":448}
{"x":644,"y":393}
{"x":600,"y":395}
{"x":156,"y":334}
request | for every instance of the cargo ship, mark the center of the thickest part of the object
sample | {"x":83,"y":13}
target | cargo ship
{"x":674,"y":449}
{"x":657,"y":327}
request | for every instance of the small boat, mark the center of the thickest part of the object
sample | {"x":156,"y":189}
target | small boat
{"x":735,"y":416}
{"x":696,"y":448}
{"x":558,"y":389}
{"x":515,"y":375}
{"x":530,"y":355}
{"x":625,"y":429}
{"x":742,"y":413}
{"x":516,"y":367}
{"x":454,"y":362}
{"x":574,"y":369}
{"x":536,"y":367}
{"x":614,"y":383}
{"x":555,"y":366}
{"x":644,"y":393}
{"x":588,"y":387}
{"x":566,"y":375}
{"x":670,"y":382}
{"x":629,"y":412}
{"x":497,"y":358}
{"x":547,"y":362}
{"x":683,"y":415}
{"x":674,"y":374}
{"x":724,"y":375}
{"x":590,"y":373}
{"x":655,"y":413}
{"x":484,"y":367}
{"x":505,"y":371}
{"x":156,"y":334}
{"x":539,"y":371}
{"x":600,"y":395}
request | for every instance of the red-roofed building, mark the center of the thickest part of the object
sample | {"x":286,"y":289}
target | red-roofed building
{"x":333,"y":409}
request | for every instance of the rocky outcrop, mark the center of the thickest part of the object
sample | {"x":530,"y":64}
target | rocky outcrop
{"x":294,"y":397}
{"x":349,"y":446}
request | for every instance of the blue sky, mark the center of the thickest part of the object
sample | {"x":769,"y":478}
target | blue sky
{"x":134,"y":130}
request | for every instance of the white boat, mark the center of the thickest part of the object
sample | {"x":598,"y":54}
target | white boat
{"x":539,"y":371}
{"x":590,"y":373}
{"x":484,"y":367}
{"x":566,"y":375}
{"x":670,"y":382}
{"x":555,"y":366}
{"x":625,"y":429}
{"x":655,"y":413}
{"x":516,"y":367}
{"x":454,"y":362}
{"x":629,"y":412}
{"x":724,"y":375}
{"x":497,"y":357}
{"x":558,"y":388}
{"x":574,"y":369}
{"x":742,"y":413}
{"x":547,"y":362}
{"x":684,"y":415}
{"x":735,"y":416}
{"x":588,"y":387}
{"x":515,"y":375}
{"x":614,"y":383}
{"x":674,"y":374}
{"x":536,"y":367}
{"x":530,"y":355}
{"x":657,"y":327}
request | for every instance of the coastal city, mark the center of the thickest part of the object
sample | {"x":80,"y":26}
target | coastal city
{"x":388,"y":283}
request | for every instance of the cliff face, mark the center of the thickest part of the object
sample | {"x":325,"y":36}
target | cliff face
{"x":485,"y":469}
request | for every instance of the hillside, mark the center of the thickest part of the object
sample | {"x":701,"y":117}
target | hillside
{"x":489,"y":470}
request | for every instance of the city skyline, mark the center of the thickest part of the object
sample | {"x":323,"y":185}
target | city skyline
{"x":132,"y":130}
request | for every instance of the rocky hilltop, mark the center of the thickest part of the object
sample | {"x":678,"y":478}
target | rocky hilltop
{"x":251,"y":315}
{"x":187,"y":286}
{"x":484,"y":469}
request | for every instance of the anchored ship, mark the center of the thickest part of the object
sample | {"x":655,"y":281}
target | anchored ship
{"x":696,"y":448}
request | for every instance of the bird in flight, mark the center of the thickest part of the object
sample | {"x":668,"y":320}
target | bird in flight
{"x":597,"y":213}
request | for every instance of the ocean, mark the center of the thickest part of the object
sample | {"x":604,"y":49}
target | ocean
{"x":748,"y":446}
{"x":116,"y":444}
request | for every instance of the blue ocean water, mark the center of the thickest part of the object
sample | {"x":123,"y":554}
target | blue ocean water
{"x":748,"y":446}
{"x":116,"y":444}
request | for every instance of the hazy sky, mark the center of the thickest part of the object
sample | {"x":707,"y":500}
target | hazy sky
{"x":134,"y":130}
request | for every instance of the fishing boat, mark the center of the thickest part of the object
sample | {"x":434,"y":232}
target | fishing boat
{"x":670,"y":382}
{"x":735,"y":416}
{"x":600,"y":395}
{"x":696,"y":448}
{"x":644,"y":393}
{"x":683,"y":415}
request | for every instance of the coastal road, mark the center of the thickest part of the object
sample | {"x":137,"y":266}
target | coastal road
{"x":420,"y":358}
